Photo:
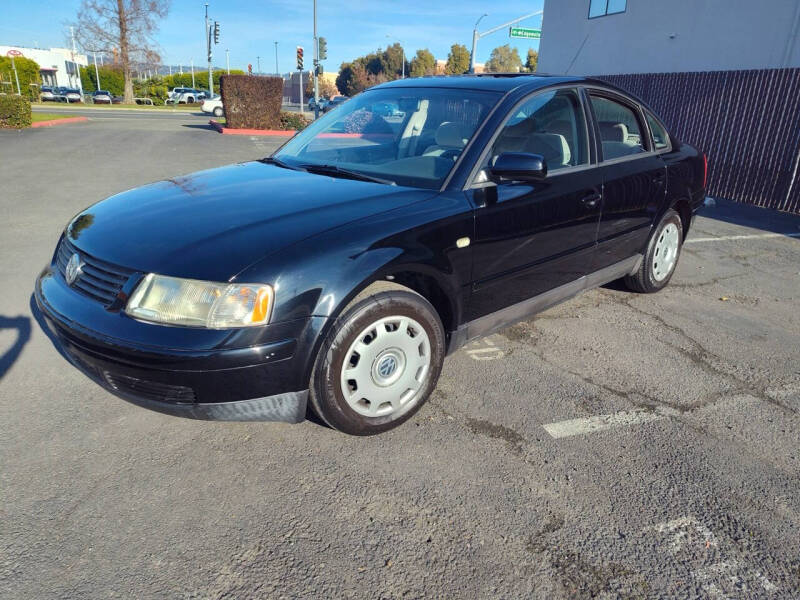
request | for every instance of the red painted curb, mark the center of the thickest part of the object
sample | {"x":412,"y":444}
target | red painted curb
{"x":229,"y":131}
{"x":52,"y":122}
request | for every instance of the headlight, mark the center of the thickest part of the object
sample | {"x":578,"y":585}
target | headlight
{"x":195,"y":303}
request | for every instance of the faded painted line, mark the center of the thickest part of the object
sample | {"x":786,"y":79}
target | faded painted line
{"x":562,"y":429}
{"x":757,"y":236}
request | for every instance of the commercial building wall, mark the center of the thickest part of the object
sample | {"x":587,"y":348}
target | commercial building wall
{"x":662,"y":36}
{"x":55,"y":64}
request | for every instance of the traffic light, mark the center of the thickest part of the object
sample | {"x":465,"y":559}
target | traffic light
{"x":299,"y":58}
{"x":323,"y":48}
{"x":216,"y":32}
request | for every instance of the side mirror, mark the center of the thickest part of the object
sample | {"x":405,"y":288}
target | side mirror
{"x":519,"y":166}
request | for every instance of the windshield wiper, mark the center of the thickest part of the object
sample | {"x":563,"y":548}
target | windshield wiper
{"x":333,"y":170}
{"x":271,"y":160}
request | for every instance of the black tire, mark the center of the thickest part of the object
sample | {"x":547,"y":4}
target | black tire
{"x":380,"y":300}
{"x":218,"y":111}
{"x":644,"y":279}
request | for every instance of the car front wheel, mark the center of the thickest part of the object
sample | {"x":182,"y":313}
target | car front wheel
{"x":661,"y":258}
{"x":217,"y":112}
{"x":379,"y":362}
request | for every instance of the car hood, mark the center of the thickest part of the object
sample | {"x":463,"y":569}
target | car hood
{"x":212,"y":224}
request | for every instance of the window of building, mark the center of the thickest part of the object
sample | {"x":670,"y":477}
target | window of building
{"x":550,"y":124}
{"x":601,"y":8}
{"x":620,"y":133}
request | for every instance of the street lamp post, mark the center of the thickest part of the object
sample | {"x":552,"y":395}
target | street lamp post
{"x":96,"y":72}
{"x":228,"y":61}
{"x":192,"y":64}
{"x":258,"y":62}
{"x":208,"y":45}
{"x":476,"y":36}
{"x":277,"y":71}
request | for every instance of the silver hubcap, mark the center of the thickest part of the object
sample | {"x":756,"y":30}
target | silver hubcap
{"x":666,"y":253}
{"x":386,"y":367}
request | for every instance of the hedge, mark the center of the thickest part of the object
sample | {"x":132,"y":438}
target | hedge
{"x":15,"y":112}
{"x":28,"y":73}
{"x":252,"y":102}
{"x":292,"y":120}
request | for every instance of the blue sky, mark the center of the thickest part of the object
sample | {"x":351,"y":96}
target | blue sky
{"x":249,"y":28}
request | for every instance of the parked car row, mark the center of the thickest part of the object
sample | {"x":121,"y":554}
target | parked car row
{"x":182,"y":95}
{"x":326,"y":104}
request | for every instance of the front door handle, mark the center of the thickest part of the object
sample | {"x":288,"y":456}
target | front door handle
{"x":591,"y":200}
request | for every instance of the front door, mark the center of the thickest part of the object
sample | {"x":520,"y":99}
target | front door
{"x":533,"y":237}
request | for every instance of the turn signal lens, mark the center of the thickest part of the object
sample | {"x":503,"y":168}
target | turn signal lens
{"x":193,"y":303}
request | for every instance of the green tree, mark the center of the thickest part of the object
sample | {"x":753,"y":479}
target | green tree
{"x":532,"y":61}
{"x":111,"y":80}
{"x":423,"y":64}
{"x":395,"y":56}
{"x":28,"y":73}
{"x":504,"y":59}
{"x":457,"y":60}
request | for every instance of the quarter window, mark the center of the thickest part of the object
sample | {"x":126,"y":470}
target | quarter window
{"x":601,"y":8}
{"x":660,"y":137}
{"x":550,"y":124}
{"x":620,"y":133}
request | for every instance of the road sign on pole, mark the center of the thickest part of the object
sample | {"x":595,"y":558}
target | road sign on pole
{"x":12,"y":53}
{"x":525,"y":32}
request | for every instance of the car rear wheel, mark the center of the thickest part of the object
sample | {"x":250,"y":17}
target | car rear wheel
{"x":661,"y":258}
{"x":218,"y":111}
{"x":379,"y":362}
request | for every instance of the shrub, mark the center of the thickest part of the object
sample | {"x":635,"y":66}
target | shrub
{"x":111,"y":79}
{"x":296,"y":121}
{"x":252,"y":102}
{"x":28,"y":73}
{"x":15,"y":112}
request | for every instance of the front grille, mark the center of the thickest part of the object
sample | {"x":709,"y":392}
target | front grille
{"x":150,"y":390}
{"x":98,"y":279}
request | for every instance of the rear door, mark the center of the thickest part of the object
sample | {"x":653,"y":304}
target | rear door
{"x":532,"y":237}
{"x":633,"y":176}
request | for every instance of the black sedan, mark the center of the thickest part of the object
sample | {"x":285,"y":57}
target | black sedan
{"x":340,"y":271}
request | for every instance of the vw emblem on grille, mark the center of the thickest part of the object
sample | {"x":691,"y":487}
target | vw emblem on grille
{"x":387,"y":366}
{"x":73,"y":270}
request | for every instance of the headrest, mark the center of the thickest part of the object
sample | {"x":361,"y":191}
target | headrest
{"x":451,"y":134}
{"x":613,"y":132}
{"x":552,"y":146}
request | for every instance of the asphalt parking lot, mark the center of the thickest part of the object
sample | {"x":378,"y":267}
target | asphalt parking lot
{"x":618,"y":445}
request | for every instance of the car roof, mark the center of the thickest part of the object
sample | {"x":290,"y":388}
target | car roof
{"x":500,"y":82}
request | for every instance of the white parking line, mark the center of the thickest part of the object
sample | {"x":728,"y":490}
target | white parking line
{"x":756,"y":236}
{"x":562,"y":429}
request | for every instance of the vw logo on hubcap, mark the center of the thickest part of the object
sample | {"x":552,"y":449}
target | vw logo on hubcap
{"x":73,"y":269}
{"x":387,"y":366}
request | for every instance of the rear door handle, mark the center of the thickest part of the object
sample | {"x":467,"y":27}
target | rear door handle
{"x":591,"y":200}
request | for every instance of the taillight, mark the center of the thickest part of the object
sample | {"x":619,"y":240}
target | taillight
{"x":705,"y":170}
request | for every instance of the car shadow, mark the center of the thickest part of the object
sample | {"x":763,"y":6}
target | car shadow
{"x":199,"y":126}
{"x":747,"y":215}
{"x":22,"y":325}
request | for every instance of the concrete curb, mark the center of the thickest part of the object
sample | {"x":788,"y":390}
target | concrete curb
{"x":264,"y":132}
{"x":64,"y":121}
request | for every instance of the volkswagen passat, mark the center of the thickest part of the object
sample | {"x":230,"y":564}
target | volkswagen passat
{"x":340,"y":271}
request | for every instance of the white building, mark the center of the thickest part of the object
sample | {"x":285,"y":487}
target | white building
{"x":608,"y":37}
{"x":56,"y":65}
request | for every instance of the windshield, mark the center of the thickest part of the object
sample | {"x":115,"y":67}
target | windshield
{"x":407,"y":136}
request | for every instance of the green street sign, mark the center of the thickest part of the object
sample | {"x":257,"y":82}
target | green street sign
{"x":525,"y":32}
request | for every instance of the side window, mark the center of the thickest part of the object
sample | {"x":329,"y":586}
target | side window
{"x":550,"y":124}
{"x":660,"y":137}
{"x":620,"y":132}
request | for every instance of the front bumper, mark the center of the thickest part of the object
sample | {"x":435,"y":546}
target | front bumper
{"x":231,"y":375}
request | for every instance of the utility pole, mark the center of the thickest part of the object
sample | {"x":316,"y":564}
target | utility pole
{"x":316,"y":65}
{"x":96,"y":73}
{"x":208,"y":46}
{"x":258,"y":65}
{"x":476,"y":36}
{"x":192,"y":63}
{"x":277,"y":72}
{"x":228,"y":61}
{"x":74,"y":62}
